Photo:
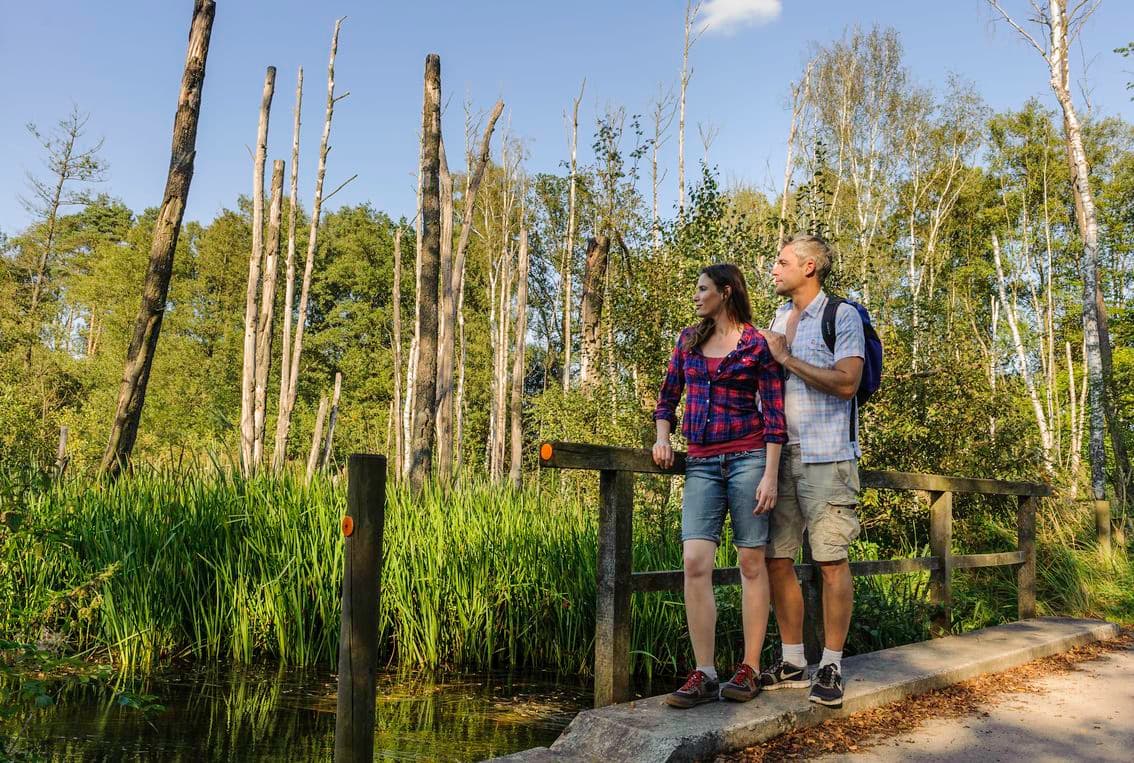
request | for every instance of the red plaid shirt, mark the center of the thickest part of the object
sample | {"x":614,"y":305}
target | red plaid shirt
{"x":745,"y":397}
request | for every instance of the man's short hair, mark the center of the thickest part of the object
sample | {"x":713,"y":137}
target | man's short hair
{"x":809,"y":247}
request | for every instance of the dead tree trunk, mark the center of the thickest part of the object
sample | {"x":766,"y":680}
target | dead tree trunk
{"x":334,"y":417}
{"x":316,"y":438}
{"x":598,"y":254}
{"x":425,"y":392}
{"x":444,"y":403}
{"x":283,"y":422}
{"x":278,"y":456}
{"x":147,"y":327}
{"x":397,"y":344}
{"x":799,"y":97}
{"x":266,"y":320}
{"x":451,"y":293}
{"x":255,"y":263}
{"x":518,"y":360}
{"x":692,"y":10}
{"x":567,"y":271}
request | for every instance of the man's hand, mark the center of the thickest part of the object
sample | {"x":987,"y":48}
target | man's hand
{"x":663,"y":454}
{"x":777,"y":344}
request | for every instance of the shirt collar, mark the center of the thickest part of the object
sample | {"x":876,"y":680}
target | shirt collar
{"x":813,"y":309}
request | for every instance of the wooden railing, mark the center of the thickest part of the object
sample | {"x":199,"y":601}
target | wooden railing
{"x":617,"y":580}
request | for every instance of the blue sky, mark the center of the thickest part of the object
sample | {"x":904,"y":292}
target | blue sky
{"x":121,"y":61}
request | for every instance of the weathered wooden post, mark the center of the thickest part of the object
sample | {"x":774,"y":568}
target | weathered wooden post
{"x":812,"y":585}
{"x":358,"y":639}
{"x":612,"y":610}
{"x":941,"y":546}
{"x":1026,"y":572}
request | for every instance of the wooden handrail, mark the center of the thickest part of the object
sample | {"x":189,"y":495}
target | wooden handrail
{"x":616,"y":580}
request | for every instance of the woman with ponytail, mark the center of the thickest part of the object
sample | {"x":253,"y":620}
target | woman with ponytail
{"x":734,"y":427}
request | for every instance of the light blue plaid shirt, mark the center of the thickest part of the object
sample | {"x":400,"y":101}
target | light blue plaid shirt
{"x":820,"y":423}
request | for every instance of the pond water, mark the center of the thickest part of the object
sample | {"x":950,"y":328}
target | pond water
{"x":262,"y":715}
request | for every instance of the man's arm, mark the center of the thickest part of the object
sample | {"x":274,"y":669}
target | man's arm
{"x":840,"y":381}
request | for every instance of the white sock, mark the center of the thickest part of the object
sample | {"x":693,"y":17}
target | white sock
{"x":708,"y":670}
{"x":793,"y":653}
{"x":832,"y":658}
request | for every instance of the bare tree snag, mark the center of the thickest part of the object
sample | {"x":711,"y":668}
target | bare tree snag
{"x":316,"y":439}
{"x":799,"y":97}
{"x":425,"y":392}
{"x":663,"y":118}
{"x":598,"y":255}
{"x":265,"y":323}
{"x":397,"y":345}
{"x":334,"y":417}
{"x":567,"y":270}
{"x":692,"y":10}
{"x":444,"y":327}
{"x":451,"y":297}
{"x":518,"y":360}
{"x":167,"y":227}
{"x":278,"y":457}
{"x":283,"y":422}
{"x":255,"y":263}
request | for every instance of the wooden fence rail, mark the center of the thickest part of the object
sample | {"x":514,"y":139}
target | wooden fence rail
{"x":617,"y":580}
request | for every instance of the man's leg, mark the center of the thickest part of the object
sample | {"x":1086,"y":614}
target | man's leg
{"x":700,"y":606}
{"x":754,"y":603}
{"x":838,"y":602}
{"x":787,"y":599}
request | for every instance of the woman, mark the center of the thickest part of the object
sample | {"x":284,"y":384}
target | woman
{"x":734,"y":424}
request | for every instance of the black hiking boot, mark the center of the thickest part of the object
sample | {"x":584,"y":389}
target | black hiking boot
{"x":784,"y":675}
{"x":697,"y":690}
{"x":743,"y":686}
{"x":827,"y":688}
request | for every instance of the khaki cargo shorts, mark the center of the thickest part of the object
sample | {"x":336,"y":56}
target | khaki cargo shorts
{"x":819,"y":498}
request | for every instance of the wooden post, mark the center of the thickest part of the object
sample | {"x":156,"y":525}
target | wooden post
{"x":1026,"y":573}
{"x":941,"y":546}
{"x":1102,"y":525}
{"x":813,"y":636}
{"x":612,"y":613}
{"x":362,"y":578}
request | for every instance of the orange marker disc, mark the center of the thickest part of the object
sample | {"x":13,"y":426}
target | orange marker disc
{"x":545,"y":451}
{"x":348,"y":527}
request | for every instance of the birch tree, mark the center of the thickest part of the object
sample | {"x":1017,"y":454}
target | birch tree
{"x":147,"y":327}
{"x":566,"y":271}
{"x":265,"y":323}
{"x":515,"y":473}
{"x":278,"y":454}
{"x":692,"y":10}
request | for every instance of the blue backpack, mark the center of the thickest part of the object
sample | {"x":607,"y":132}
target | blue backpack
{"x":872,"y":365}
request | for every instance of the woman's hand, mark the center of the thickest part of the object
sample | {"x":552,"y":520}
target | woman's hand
{"x":663,"y":454}
{"x":766,"y":493}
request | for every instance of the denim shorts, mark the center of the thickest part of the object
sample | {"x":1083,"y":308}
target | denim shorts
{"x":719,"y":485}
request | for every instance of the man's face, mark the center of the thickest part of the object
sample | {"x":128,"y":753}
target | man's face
{"x":788,"y":273}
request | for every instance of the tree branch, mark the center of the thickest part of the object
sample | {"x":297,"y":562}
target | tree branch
{"x":1018,"y":28}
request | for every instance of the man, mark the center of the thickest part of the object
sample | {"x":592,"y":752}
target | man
{"x":818,"y":482}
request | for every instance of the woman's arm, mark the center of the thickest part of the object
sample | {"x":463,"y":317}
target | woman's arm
{"x":665,"y":413}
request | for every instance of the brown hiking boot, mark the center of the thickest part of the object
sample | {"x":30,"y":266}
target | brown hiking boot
{"x":697,"y":689}
{"x":743,"y":686}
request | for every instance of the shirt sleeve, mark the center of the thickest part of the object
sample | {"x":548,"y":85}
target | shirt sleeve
{"x":771,"y":384}
{"x":672,"y":386}
{"x":850,"y":342}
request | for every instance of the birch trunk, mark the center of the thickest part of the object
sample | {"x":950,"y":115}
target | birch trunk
{"x":425,"y":390}
{"x":395,"y":412}
{"x":799,"y":96}
{"x":264,"y":324}
{"x":567,"y":273}
{"x":255,"y":263}
{"x":167,"y":227}
{"x":691,"y":11}
{"x":279,"y":456}
{"x":518,"y":362}
{"x":316,"y":439}
{"x":334,"y":417}
{"x":598,"y":251}
{"x":283,"y":422}
{"x":444,"y":403}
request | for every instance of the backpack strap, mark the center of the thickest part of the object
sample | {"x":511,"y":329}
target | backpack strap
{"x":830,"y":310}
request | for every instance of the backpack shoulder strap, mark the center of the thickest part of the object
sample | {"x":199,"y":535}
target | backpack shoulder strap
{"x":830,"y":310}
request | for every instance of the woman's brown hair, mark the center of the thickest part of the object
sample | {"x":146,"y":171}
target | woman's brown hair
{"x":737,"y":304}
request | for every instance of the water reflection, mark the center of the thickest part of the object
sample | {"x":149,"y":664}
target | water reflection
{"x":263,"y":715}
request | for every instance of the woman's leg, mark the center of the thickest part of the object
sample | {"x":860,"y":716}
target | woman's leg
{"x":754,"y":603}
{"x":700,"y":606}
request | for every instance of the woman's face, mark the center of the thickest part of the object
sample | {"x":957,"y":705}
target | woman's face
{"x":707,"y":299}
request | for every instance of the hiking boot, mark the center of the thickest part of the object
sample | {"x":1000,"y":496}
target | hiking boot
{"x":697,"y":690}
{"x":827,"y":688}
{"x":784,"y":675}
{"x":743,"y":686}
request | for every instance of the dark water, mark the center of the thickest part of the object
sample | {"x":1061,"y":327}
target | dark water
{"x":259,"y":715}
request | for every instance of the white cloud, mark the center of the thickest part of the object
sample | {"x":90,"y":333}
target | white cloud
{"x":726,"y":16}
